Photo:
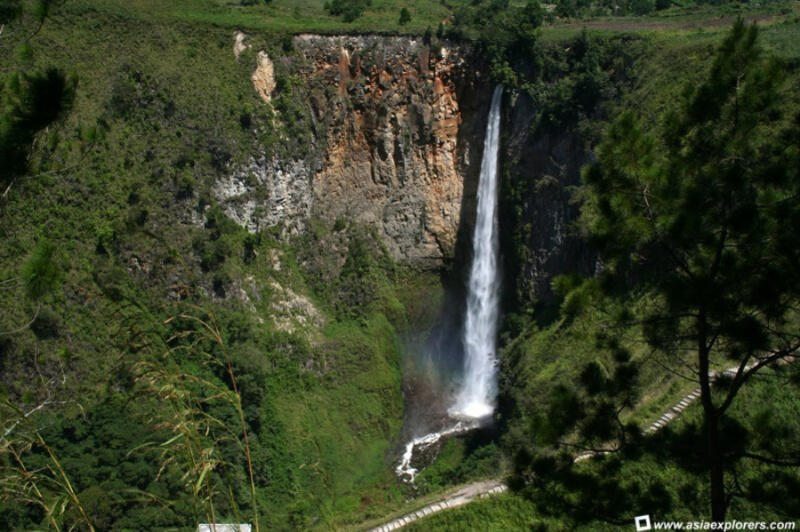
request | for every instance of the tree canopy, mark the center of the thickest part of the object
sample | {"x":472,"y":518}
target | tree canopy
{"x":700,"y":217}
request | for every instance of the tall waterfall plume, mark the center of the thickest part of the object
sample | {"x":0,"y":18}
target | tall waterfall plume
{"x":476,"y":398}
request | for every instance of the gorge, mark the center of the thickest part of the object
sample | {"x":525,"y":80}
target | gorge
{"x":322,"y":199}
{"x":327,"y":265}
{"x":327,"y":198}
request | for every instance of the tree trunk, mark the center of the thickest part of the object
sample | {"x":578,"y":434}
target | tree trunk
{"x":715,"y":469}
{"x":716,"y":474}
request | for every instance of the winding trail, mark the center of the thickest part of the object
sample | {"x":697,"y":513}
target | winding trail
{"x":487,"y":488}
{"x":465,"y":495}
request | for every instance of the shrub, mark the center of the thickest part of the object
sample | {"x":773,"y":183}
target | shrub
{"x":9,"y":10}
{"x":41,"y":273}
{"x":46,"y":324}
{"x":349,"y":10}
{"x":405,"y":17}
{"x":642,"y":7}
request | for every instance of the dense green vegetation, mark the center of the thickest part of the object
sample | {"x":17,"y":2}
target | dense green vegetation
{"x":348,"y":9}
{"x":663,"y":477}
{"x":715,"y":206}
{"x":671,"y":249}
{"x":145,"y":384}
{"x":104,"y":279}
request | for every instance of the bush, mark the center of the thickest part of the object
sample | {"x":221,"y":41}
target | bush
{"x":28,"y":103}
{"x":41,"y":273}
{"x":46,"y":324}
{"x":249,"y":254}
{"x":405,"y":17}
{"x":567,"y":8}
{"x":349,"y":10}
{"x":642,"y":7}
{"x":9,"y":10}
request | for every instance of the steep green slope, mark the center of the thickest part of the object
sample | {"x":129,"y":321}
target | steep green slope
{"x":546,"y":363}
{"x":121,"y":190}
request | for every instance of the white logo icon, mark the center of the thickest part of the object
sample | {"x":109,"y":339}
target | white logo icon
{"x":642,"y":523}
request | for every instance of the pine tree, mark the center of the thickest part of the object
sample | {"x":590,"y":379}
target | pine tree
{"x":29,"y":101}
{"x":702,"y":218}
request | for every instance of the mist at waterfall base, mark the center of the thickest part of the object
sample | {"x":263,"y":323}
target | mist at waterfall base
{"x":445,"y":398}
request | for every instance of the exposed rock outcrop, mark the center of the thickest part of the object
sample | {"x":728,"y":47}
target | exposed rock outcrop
{"x":267,"y":192}
{"x":291,"y":311}
{"x":393,"y":155}
{"x":238,"y":43}
{"x":389,"y":148}
{"x":264,"y":77}
{"x":398,"y":130}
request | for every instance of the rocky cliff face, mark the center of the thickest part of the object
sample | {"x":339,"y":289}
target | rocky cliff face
{"x":541,"y":168}
{"x":393,"y":158}
{"x":398,"y":130}
{"x":393,"y":146}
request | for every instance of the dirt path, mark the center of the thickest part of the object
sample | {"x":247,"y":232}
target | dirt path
{"x":465,"y":495}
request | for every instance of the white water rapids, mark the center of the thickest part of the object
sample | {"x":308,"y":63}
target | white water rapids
{"x":475,"y":400}
{"x":404,"y":469}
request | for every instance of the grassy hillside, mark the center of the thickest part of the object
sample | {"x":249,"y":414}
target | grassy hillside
{"x":278,"y":16}
{"x":121,"y":189}
{"x":382,"y":16}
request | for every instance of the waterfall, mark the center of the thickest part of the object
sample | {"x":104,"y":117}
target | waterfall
{"x":477,"y":394}
{"x":475,"y":400}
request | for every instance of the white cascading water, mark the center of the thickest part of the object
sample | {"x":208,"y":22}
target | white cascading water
{"x":475,"y":400}
{"x":477,"y":394}
{"x":405,"y":470}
